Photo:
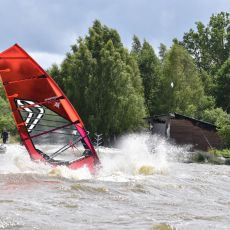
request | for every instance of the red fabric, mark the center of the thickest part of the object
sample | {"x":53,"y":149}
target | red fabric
{"x":24,"y":79}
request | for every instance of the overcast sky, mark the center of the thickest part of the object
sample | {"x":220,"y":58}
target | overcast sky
{"x":47,"y":28}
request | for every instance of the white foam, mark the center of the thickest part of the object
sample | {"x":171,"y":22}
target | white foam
{"x":17,"y":160}
{"x":134,"y":153}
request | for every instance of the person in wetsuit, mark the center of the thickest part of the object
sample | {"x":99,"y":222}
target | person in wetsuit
{"x":4,"y":136}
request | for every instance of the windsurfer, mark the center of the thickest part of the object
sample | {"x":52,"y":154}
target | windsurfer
{"x":4,"y":136}
{"x":44,"y":111}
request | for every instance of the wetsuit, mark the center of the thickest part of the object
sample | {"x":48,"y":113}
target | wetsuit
{"x":4,"y":136}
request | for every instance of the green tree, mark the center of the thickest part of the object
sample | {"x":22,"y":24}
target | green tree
{"x":103,"y":82}
{"x":223,"y":86}
{"x":208,"y":82}
{"x":216,"y":116}
{"x":162,"y":51}
{"x":150,"y":70}
{"x":55,"y":72}
{"x":2,"y":91}
{"x":210,"y":45}
{"x":181,"y":89}
{"x":222,"y":120}
{"x":136,"y":45}
{"x":6,"y":119}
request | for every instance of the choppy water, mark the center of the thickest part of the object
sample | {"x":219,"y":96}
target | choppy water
{"x":142,"y":186}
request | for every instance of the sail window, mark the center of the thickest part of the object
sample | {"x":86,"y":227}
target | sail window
{"x":51,"y":134}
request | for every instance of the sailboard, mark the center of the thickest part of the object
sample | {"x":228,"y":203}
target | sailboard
{"x":48,"y":125}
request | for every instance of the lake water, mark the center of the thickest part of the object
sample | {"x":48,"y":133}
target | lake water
{"x":143,"y":185}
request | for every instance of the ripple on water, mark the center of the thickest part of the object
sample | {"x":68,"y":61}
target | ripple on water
{"x":138,"y":188}
{"x":86,"y":188}
{"x":69,"y":205}
{"x":163,"y":227}
{"x":127,"y":194}
{"x":6,"y":201}
{"x":10,"y":223}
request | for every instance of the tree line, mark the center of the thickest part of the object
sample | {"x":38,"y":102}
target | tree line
{"x":114,"y":88}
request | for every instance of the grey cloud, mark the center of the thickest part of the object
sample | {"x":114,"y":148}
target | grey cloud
{"x":52,"y":26}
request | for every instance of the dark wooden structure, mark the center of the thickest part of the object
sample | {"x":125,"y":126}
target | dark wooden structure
{"x":186,"y":130}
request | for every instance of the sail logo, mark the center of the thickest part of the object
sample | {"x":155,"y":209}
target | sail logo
{"x":34,"y":113}
{"x":53,"y":99}
{"x":57,"y":104}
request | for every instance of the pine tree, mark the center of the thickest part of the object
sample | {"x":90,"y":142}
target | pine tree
{"x":150,"y":70}
{"x":162,"y":51}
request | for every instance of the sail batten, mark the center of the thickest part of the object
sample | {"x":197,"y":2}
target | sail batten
{"x":26,"y":79}
{"x":40,"y":103}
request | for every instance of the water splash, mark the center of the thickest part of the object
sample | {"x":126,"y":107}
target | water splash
{"x":140,"y":153}
{"x":65,"y":172}
{"x":17,"y":160}
{"x":136,"y":155}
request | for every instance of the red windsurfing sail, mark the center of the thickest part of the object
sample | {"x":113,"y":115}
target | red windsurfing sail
{"x":48,"y":125}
